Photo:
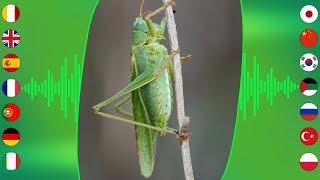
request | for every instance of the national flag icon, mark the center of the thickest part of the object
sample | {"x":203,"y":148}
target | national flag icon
{"x":308,"y":161}
{"x":308,"y":62}
{"x":309,"y":87}
{"x":309,"y":38}
{"x":11,"y":87}
{"x":10,"y":137}
{"x":309,"y":14}
{"x":11,"y":38}
{"x":11,"y":63}
{"x":11,"y":112}
{"x":309,"y":111}
{"x":12,"y":161}
{"x":11,"y":13}
{"x":309,"y":136}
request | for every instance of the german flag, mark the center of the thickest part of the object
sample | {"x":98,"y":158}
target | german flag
{"x":11,"y":112}
{"x":11,"y":63}
{"x":11,"y":137}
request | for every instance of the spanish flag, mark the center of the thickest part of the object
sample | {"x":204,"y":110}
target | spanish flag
{"x":11,"y":13}
{"x":11,"y":63}
{"x":11,"y":137}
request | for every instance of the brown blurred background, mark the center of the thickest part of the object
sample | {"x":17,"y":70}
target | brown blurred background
{"x":211,"y":32}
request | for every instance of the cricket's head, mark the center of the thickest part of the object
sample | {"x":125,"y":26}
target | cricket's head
{"x":140,"y":24}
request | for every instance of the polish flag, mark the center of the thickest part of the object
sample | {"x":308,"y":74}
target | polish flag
{"x":308,"y":162}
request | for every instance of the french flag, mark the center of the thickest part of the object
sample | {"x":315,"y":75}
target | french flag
{"x":11,"y":88}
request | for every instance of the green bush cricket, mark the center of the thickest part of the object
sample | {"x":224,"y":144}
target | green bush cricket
{"x":150,"y":88}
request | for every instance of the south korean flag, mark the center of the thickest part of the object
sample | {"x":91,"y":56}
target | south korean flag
{"x":309,"y":14}
{"x":308,"y":62}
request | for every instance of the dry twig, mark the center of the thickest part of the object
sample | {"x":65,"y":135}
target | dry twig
{"x":183,"y":120}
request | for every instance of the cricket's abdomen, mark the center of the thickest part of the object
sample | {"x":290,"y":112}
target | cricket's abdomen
{"x":157,"y":96}
{"x":151,"y":103}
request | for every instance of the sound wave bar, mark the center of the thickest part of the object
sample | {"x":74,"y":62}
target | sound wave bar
{"x":255,"y":85}
{"x":65,"y":88}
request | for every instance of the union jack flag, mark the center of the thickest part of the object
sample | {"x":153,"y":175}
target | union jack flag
{"x":11,"y":38}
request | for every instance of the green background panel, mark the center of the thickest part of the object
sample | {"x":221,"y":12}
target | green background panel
{"x":53,"y":38}
{"x":266,"y":141}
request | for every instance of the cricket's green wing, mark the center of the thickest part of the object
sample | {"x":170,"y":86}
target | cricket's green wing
{"x":145,"y":138}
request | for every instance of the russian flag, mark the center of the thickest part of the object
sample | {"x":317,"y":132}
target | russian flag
{"x":11,"y":88}
{"x":309,"y":111}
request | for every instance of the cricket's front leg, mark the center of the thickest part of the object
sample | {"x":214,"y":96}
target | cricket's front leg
{"x":185,"y":58}
{"x":160,"y":9}
{"x":155,"y":12}
{"x":182,"y":58}
{"x":170,"y":63}
{"x":163,"y":23}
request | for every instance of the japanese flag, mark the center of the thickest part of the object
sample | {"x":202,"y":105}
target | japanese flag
{"x":309,"y":14}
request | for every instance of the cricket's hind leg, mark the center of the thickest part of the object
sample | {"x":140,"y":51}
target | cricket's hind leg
{"x":143,"y":79}
{"x":119,"y":108}
{"x":127,"y":117}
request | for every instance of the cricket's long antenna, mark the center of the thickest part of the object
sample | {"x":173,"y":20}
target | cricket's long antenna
{"x":141,"y":7}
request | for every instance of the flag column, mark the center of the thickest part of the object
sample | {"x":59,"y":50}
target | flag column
{"x":309,"y":87}
{"x":11,"y":88}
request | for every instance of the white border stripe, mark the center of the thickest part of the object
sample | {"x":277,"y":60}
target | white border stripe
{"x":11,"y":13}
{"x":11,"y":161}
{"x":11,"y":88}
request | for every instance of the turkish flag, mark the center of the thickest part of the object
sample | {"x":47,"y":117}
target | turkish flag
{"x":309,"y":136}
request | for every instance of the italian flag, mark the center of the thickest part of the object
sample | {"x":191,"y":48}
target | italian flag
{"x":11,"y":13}
{"x":12,"y":161}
